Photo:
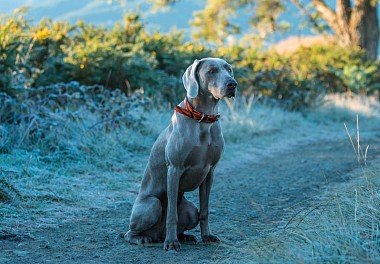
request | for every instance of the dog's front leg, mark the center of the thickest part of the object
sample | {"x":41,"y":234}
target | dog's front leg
{"x":171,"y":240}
{"x":204,"y":196}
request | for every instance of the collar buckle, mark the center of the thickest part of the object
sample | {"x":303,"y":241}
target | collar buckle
{"x":203,"y":116}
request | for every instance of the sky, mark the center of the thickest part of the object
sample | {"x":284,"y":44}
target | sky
{"x":106,"y":12}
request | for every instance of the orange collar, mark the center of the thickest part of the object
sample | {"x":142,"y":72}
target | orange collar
{"x":189,"y":111}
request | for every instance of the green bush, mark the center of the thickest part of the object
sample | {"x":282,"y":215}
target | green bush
{"x":37,"y":116}
{"x":339,"y":69}
{"x":298,"y":80}
{"x":129,"y":58}
{"x":13,"y":46}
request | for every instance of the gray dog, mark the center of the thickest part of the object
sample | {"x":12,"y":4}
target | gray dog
{"x":182,"y":159}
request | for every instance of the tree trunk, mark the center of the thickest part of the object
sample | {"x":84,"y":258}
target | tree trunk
{"x":364,"y":28}
{"x":357,"y":26}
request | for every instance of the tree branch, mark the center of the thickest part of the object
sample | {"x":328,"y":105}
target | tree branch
{"x":343,"y":14}
{"x":357,"y":14}
{"x":343,"y":10}
{"x":329,"y":15}
{"x":324,"y":9}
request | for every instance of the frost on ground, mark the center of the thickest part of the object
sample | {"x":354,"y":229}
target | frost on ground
{"x":288,"y":187}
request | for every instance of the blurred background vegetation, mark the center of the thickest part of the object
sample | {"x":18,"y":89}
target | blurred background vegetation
{"x":131,"y":58}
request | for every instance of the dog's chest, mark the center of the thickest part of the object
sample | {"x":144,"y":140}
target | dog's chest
{"x":200,"y":156}
{"x":198,"y":164}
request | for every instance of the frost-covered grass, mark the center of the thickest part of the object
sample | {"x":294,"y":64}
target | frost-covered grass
{"x":341,"y":226}
{"x":89,"y":166}
{"x":272,"y":128}
{"x":96,"y":167}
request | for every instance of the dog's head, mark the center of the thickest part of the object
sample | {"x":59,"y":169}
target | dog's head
{"x":210,"y":75}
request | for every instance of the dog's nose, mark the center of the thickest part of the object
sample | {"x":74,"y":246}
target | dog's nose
{"x":231,"y":85}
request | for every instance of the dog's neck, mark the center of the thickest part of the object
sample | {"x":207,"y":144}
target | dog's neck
{"x":205,"y":103}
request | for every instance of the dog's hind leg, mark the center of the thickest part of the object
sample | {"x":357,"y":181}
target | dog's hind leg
{"x":188,"y":218}
{"x":145,"y":221}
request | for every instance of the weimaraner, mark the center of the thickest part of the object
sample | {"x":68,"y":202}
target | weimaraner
{"x":182,"y":159}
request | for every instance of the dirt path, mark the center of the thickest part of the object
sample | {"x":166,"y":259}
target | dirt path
{"x":250,"y":197}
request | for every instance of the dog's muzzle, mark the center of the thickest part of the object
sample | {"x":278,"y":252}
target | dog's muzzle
{"x":231,"y":88}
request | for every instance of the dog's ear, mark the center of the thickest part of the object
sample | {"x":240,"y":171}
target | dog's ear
{"x":190,"y":81}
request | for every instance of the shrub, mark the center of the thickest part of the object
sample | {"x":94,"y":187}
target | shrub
{"x":298,"y":80}
{"x":129,"y":58}
{"x":339,"y":69}
{"x":13,"y":45}
{"x":38,"y":114}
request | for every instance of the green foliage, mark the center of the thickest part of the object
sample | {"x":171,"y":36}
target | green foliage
{"x":37,"y":114}
{"x":13,"y":43}
{"x":173,"y":55}
{"x":360,"y":78}
{"x":300,"y":79}
{"x":124,"y":57}
{"x":339,"y":69}
{"x":293,"y":93}
{"x":131,"y":59}
{"x":213,"y":23}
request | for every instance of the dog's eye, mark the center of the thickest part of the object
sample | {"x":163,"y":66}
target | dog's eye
{"x":213,"y":70}
{"x":229,"y":70}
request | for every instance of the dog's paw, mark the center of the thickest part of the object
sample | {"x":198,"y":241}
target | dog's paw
{"x":210,"y":239}
{"x":172,"y":245}
{"x":184,"y":238}
{"x":137,"y":240}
